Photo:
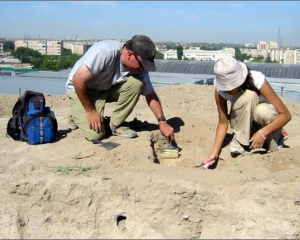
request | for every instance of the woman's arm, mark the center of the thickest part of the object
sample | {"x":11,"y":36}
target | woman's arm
{"x":284,"y":115}
{"x":221,"y":128}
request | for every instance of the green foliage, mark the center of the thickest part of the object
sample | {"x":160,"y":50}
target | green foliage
{"x":241,"y":56}
{"x":50,"y":63}
{"x":179,"y":52}
{"x":26,"y":55}
{"x":269,"y":60}
{"x":66,"y":52}
{"x":258,"y":59}
{"x":45,"y":62}
{"x":159,"y":55}
{"x":8,"y":45}
{"x":207,"y":48}
{"x":37,"y":62}
{"x":68,"y":169}
{"x":171,"y":46}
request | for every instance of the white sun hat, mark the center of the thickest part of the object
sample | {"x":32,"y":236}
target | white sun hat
{"x":230,"y":74}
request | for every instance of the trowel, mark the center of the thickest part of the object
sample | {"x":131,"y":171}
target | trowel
{"x":170,"y":151}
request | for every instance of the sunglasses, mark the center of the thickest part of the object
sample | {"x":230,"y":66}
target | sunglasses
{"x":138,"y":60}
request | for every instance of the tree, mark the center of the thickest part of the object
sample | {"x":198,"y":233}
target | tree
{"x":159,"y":55}
{"x":9,"y":45}
{"x":23,"y":54}
{"x":258,"y":59}
{"x":50,"y":63}
{"x":268,"y":59}
{"x":66,"y":52}
{"x":27,"y":55}
{"x":179,"y":52}
{"x":206,"y":48}
{"x":39,"y":61}
{"x":241,"y":56}
{"x":171,"y":46}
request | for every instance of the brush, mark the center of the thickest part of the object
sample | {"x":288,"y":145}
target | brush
{"x":169,"y":152}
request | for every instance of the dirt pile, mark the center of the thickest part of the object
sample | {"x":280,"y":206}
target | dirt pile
{"x":75,"y":189}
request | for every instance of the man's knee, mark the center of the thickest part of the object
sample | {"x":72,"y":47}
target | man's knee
{"x":136,"y":84}
{"x":92,"y":135}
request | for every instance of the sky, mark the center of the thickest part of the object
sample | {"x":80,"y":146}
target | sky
{"x":236,"y":22}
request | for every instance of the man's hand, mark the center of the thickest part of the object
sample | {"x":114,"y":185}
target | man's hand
{"x":154,"y":104}
{"x":166,"y":130}
{"x":94,"y":120}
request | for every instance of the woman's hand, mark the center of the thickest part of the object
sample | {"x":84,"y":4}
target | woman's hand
{"x":211,"y":159}
{"x":257,"y":140}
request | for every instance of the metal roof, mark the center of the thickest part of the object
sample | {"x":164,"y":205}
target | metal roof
{"x":273,"y":70}
{"x":168,"y":72}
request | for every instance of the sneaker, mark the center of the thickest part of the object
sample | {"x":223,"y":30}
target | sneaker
{"x":71,"y":124}
{"x":285,"y":134}
{"x":236,"y":148}
{"x":125,"y":132}
{"x":280,"y":142}
{"x":274,"y":145}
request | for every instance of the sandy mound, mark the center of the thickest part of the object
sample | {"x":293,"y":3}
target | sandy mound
{"x":75,"y":189}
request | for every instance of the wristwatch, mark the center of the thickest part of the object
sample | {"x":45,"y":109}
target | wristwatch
{"x":163,"y":118}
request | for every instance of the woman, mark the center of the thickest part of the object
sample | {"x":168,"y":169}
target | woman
{"x":257,"y":114}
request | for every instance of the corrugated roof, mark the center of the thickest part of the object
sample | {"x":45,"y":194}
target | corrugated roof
{"x":273,"y":70}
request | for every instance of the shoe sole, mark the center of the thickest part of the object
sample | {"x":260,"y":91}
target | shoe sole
{"x":235,"y":154}
{"x":72,"y":127}
{"x":125,"y":135}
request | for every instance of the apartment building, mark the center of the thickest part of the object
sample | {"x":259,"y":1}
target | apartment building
{"x":45,"y":47}
{"x":161,"y":48}
{"x":54,"y":48}
{"x":287,"y":56}
{"x":264,"y":49}
{"x":296,"y":56}
{"x":198,"y":55}
{"x":266,"y":45}
{"x":280,"y":55}
{"x":255,"y":52}
{"x":78,"y":47}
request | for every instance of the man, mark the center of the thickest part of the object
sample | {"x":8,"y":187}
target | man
{"x":114,"y":72}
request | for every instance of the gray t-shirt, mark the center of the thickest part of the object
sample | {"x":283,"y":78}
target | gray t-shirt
{"x":103,"y":60}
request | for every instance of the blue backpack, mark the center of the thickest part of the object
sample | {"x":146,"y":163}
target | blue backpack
{"x":32,"y":121}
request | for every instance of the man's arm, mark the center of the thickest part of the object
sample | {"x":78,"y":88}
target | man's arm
{"x":80,"y":79}
{"x":155,"y":106}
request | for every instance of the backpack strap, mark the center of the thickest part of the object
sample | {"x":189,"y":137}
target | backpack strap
{"x":23,"y":134}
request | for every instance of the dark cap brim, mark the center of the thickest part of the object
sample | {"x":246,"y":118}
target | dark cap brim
{"x":148,"y":65}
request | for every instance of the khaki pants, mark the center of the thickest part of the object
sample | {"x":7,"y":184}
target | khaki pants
{"x":247,"y":116}
{"x":125,"y":94}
